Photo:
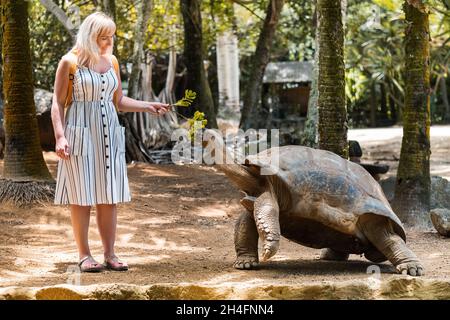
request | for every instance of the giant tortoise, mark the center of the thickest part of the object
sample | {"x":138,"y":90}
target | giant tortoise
{"x":319,"y":200}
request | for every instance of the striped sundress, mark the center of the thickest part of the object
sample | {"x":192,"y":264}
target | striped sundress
{"x":96,"y":171}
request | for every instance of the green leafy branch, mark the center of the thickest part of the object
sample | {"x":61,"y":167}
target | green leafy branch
{"x":189,"y":97}
{"x":196,"y":122}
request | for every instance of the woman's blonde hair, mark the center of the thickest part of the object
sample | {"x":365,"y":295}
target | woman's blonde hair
{"x":86,"y":46}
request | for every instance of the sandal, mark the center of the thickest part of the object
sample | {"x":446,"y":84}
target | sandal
{"x":90,"y":266}
{"x":113,"y":263}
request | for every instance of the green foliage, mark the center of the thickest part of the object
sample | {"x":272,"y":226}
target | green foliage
{"x":374,"y":42}
{"x":49,"y":41}
{"x":197,"y":122}
{"x":295,"y":38}
{"x":375,"y":55}
{"x":389,"y":5}
{"x":187,"y":100}
{"x":165,"y":27}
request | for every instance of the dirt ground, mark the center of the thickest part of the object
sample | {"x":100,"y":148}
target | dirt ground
{"x":179,"y":227}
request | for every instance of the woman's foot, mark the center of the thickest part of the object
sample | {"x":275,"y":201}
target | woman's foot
{"x":88,"y":264}
{"x":113,"y":263}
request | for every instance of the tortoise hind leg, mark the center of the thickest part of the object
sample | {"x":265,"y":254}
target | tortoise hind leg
{"x":246,"y":242}
{"x":333,"y":255}
{"x":379,"y":231}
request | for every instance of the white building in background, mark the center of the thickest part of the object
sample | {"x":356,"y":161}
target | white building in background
{"x":228,"y":75}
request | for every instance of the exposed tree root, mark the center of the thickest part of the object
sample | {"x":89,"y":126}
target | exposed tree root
{"x":23,"y":193}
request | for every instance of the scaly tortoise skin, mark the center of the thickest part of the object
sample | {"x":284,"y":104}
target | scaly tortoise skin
{"x":319,"y":200}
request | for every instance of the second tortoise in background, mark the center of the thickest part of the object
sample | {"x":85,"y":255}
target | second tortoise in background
{"x":375,"y":169}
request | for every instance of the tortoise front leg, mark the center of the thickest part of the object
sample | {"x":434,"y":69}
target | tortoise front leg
{"x":246,"y":242}
{"x":380,"y":233}
{"x":266,"y":214}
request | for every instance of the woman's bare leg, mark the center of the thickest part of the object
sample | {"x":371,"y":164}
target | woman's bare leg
{"x":80,"y":216}
{"x":107,"y":225}
{"x":107,"y":222}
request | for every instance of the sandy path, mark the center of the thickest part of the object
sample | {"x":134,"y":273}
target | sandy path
{"x":179,"y":228}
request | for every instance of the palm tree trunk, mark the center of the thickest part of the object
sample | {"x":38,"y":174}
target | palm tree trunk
{"x":193,"y":53}
{"x":24,"y":164}
{"x":260,"y":59}
{"x":332,"y":125}
{"x":412,"y":191}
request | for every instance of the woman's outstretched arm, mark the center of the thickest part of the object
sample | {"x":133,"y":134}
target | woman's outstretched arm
{"x":127,"y":104}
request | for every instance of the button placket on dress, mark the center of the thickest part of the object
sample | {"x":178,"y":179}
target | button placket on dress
{"x":105,"y":134}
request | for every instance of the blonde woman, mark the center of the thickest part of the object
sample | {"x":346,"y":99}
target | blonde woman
{"x":89,"y":139}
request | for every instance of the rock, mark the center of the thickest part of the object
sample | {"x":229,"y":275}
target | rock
{"x":440,"y":191}
{"x":388,"y":186}
{"x":440,"y":196}
{"x":441,"y":221}
{"x":43,"y":102}
{"x":390,"y":288}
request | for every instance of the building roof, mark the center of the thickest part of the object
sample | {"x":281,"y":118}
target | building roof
{"x":291,"y":71}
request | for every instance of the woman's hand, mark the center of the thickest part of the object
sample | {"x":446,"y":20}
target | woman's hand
{"x":156,"y":108}
{"x":62,"y":148}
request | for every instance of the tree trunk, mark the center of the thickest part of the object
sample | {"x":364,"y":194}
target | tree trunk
{"x":155,"y":132}
{"x":373,"y":105}
{"x":142,"y":120}
{"x":136,"y":150}
{"x":61,"y":16}
{"x":23,"y":162}
{"x":393,"y":105}
{"x":193,"y":54}
{"x":165,"y":125}
{"x":143,"y":9}
{"x":332,"y":126}
{"x":412,"y":191}
{"x":443,"y":87}
{"x":109,"y":7}
{"x":228,"y":75}
{"x":1,"y":80}
{"x":383,"y":104}
{"x":310,"y":134}
{"x":260,"y":59}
